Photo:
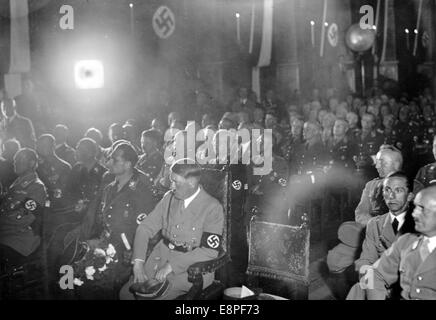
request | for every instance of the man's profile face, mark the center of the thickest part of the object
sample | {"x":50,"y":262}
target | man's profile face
{"x":383,"y":164}
{"x":434,"y":147}
{"x":181,"y":186}
{"x":396,"y":194}
{"x":44,"y":147}
{"x":117,"y":164}
{"x":21,"y":163}
{"x":425,"y":213}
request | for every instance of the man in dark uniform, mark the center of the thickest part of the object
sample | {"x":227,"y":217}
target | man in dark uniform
{"x":20,"y":210}
{"x":63,"y":150}
{"x":290,"y":142}
{"x":311,"y":154}
{"x":85,"y":180}
{"x":124,"y":204}
{"x":7,"y":174}
{"x":368,"y":142}
{"x":426,"y":174}
{"x":268,"y":191}
{"x":191,"y":222}
{"x":53,"y":171}
{"x":152,"y":160}
{"x":16,"y":126}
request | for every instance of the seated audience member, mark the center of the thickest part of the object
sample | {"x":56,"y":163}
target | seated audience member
{"x":16,"y":126}
{"x":152,"y":160}
{"x":97,"y":136}
{"x":157,"y":125}
{"x":383,"y":230}
{"x":131,"y":135}
{"x":426,"y":174}
{"x":21,"y":209}
{"x":63,"y":150}
{"x":174,"y":116}
{"x":7,"y":173}
{"x":207,"y":120}
{"x":125,"y":202}
{"x":388,"y":160}
{"x":187,"y":204}
{"x":53,"y":171}
{"x":86,"y":176}
{"x":411,"y":260}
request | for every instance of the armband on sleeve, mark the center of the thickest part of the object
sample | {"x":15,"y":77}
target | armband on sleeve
{"x":211,"y":241}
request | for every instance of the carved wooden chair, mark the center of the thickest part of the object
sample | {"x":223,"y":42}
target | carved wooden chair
{"x":280,"y":253}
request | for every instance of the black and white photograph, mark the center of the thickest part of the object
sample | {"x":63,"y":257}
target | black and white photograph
{"x":229,"y":151}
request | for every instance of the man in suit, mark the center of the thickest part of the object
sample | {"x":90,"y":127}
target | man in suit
{"x":20,"y":210}
{"x":411,"y":259}
{"x":191,"y":222}
{"x":16,"y":126}
{"x":383,"y":230}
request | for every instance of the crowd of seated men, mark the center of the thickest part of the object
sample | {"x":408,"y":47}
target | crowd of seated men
{"x":98,"y":192}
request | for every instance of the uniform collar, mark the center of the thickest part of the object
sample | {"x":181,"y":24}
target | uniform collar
{"x":191,"y":198}
{"x":24,"y":181}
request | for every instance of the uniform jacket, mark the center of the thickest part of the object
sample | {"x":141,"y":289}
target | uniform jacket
{"x":379,"y":237}
{"x":402,"y":261}
{"x":371,"y":202}
{"x":22,"y":205}
{"x":151,"y":164}
{"x":122,"y":211}
{"x":183,"y":227}
{"x":424,"y":176}
{"x":21,"y":128}
{"x":55,"y":173}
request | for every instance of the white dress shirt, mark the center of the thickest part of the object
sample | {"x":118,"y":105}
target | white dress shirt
{"x":400,"y":218}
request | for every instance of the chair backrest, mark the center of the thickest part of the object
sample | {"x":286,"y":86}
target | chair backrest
{"x":279,"y":251}
{"x":215,"y":181}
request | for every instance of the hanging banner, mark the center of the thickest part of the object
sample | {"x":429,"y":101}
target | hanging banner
{"x":20,"y":52}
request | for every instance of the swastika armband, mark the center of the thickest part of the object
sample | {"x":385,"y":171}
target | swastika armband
{"x":30,"y":205}
{"x":211,"y":241}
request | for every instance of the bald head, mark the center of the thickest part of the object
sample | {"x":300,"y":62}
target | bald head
{"x":425,"y":211}
{"x":388,"y":160}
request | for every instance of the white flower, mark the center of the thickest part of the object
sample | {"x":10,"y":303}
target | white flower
{"x":98,"y":252}
{"x":110,"y":251}
{"x":108,"y":260}
{"x":90,"y":272}
{"x":102,"y":268}
{"x":77,"y":282}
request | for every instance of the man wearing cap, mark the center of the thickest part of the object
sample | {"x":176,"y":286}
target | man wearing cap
{"x":191,"y":222}
{"x":411,"y":259}
{"x":383,"y":230}
{"x":21,"y":209}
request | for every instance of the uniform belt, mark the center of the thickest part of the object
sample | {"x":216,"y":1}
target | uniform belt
{"x":172,"y":246}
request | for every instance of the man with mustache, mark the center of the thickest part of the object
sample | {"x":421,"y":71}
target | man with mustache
{"x":411,"y":259}
{"x":383,"y":230}
{"x":191,"y":222}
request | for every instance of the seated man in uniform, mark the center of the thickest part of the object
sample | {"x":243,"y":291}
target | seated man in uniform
{"x":383,"y":230}
{"x":191,"y":222}
{"x":20,"y":210}
{"x":426,"y":174}
{"x":411,"y":259}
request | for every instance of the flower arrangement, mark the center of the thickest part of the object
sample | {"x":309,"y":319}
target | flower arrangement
{"x":96,"y":265}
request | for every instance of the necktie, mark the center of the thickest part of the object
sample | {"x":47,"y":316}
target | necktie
{"x":395,"y":225}
{"x":424,"y":251}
